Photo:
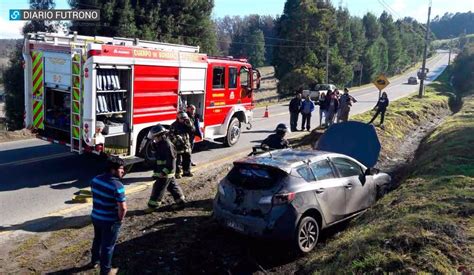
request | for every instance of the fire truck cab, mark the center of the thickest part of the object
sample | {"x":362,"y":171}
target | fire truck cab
{"x":103,"y":94}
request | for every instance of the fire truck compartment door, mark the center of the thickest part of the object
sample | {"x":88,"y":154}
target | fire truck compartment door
{"x":192,"y":79}
{"x":57,"y":69}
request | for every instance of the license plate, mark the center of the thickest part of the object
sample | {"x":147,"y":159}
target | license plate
{"x":235,"y":226}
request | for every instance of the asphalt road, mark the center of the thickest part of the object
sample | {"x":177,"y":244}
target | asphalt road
{"x":38,"y":178}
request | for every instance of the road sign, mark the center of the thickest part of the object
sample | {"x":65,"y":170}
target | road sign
{"x":381,"y":82}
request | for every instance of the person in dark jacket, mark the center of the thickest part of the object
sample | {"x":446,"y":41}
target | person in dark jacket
{"x":307,"y":107}
{"x":180,"y":131}
{"x":164,"y":170}
{"x":322,"y":102}
{"x":332,"y":107}
{"x":345,"y":104}
{"x":381,"y":108}
{"x":295,"y":109}
{"x":195,"y":119}
{"x":277,"y":140}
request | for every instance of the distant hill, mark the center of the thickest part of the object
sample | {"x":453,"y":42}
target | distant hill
{"x":453,"y":24}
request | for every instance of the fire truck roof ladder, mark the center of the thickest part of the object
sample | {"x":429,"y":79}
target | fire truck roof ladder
{"x":82,"y":40}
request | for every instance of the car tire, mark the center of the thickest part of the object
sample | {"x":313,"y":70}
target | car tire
{"x":307,"y":234}
{"x":233,"y":133}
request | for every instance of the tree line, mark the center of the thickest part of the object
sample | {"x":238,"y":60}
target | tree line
{"x":452,"y":25}
{"x":296,"y":42}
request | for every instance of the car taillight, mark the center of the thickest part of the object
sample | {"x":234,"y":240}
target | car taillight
{"x":93,"y":52}
{"x":284,"y":198}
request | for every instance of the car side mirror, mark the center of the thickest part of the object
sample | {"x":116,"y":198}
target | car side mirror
{"x":371,"y":171}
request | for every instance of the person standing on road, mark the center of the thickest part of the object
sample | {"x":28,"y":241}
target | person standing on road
{"x":381,"y":108}
{"x":322,"y":102}
{"x":345,"y":104}
{"x":164,"y":170}
{"x":277,"y":140}
{"x":108,"y":211}
{"x":307,"y":107}
{"x":295,"y":109}
{"x":180,"y":131}
{"x":332,"y":106}
{"x":195,"y":119}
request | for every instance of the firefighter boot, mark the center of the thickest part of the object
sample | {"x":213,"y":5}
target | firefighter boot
{"x":187,"y":174}
{"x":179,"y":204}
{"x":152,"y":206}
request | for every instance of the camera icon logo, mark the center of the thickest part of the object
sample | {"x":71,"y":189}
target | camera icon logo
{"x":15,"y":15}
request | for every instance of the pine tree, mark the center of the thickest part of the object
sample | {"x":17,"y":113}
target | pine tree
{"x":303,"y":30}
{"x":392,"y":35}
{"x":126,"y":20}
{"x":248,"y":41}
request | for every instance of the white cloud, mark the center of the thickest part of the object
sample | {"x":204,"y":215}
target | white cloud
{"x":10,"y":29}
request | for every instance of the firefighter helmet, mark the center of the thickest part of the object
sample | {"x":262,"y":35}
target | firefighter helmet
{"x":281,"y":128}
{"x":183,"y":115}
{"x":158,"y":129}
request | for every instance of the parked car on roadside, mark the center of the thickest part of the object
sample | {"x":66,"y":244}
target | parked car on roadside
{"x":314,"y":94}
{"x":412,"y":80}
{"x":292,"y":195}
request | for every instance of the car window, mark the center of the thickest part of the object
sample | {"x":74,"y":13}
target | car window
{"x":218,"y":77}
{"x":254,"y":176}
{"x":322,"y":170}
{"x":244,"y":77}
{"x":305,"y":173}
{"x":232,"y":77}
{"x":346,"y":167}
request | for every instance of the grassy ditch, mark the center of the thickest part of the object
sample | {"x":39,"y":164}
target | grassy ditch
{"x":426,"y":224}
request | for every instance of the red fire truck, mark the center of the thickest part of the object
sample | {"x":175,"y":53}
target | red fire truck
{"x":103,"y":94}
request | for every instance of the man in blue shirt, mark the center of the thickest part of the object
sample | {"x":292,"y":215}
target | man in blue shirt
{"x":307,"y":107}
{"x":108,"y":210}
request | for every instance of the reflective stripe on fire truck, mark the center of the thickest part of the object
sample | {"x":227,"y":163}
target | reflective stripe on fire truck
{"x":76,"y":96}
{"x":38,"y":89}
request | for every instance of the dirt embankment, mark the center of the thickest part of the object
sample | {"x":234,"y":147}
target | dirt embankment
{"x":6,"y":136}
{"x":190,"y":242}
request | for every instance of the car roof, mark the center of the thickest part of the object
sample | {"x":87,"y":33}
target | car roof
{"x":284,"y":159}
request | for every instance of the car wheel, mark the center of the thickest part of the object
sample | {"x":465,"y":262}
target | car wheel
{"x":307,"y":234}
{"x":233,"y":133}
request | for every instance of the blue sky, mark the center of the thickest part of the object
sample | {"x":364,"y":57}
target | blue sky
{"x":398,"y":8}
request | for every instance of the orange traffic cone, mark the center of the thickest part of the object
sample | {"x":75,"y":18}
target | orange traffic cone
{"x":266,"y":114}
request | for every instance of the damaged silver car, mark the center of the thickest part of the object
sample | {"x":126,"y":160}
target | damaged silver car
{"x":292,"y":195}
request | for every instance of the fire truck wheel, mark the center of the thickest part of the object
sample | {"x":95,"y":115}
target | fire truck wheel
{"x":233,"y":132}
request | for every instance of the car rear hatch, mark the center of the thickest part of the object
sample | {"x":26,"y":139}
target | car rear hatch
{"x":355,"y":139}
{"x":248,"y":189}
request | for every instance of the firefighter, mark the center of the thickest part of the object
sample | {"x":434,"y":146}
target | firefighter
{"x":276,"y":140}
{"x":163,"y":172}
{"x":180,"y":132}
{"x":195,"y":119}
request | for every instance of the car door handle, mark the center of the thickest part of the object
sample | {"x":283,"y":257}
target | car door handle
{"x":348,"y":186}
{"x":319,"y":190}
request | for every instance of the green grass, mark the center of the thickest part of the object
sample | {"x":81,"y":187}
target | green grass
{"x":406,"y":114}
{"x":426,"y":224}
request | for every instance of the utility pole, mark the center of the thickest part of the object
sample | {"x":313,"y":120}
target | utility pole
{"x":327,"y":60}
{"x":423,"y":67}
{"x":449,"y":56}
